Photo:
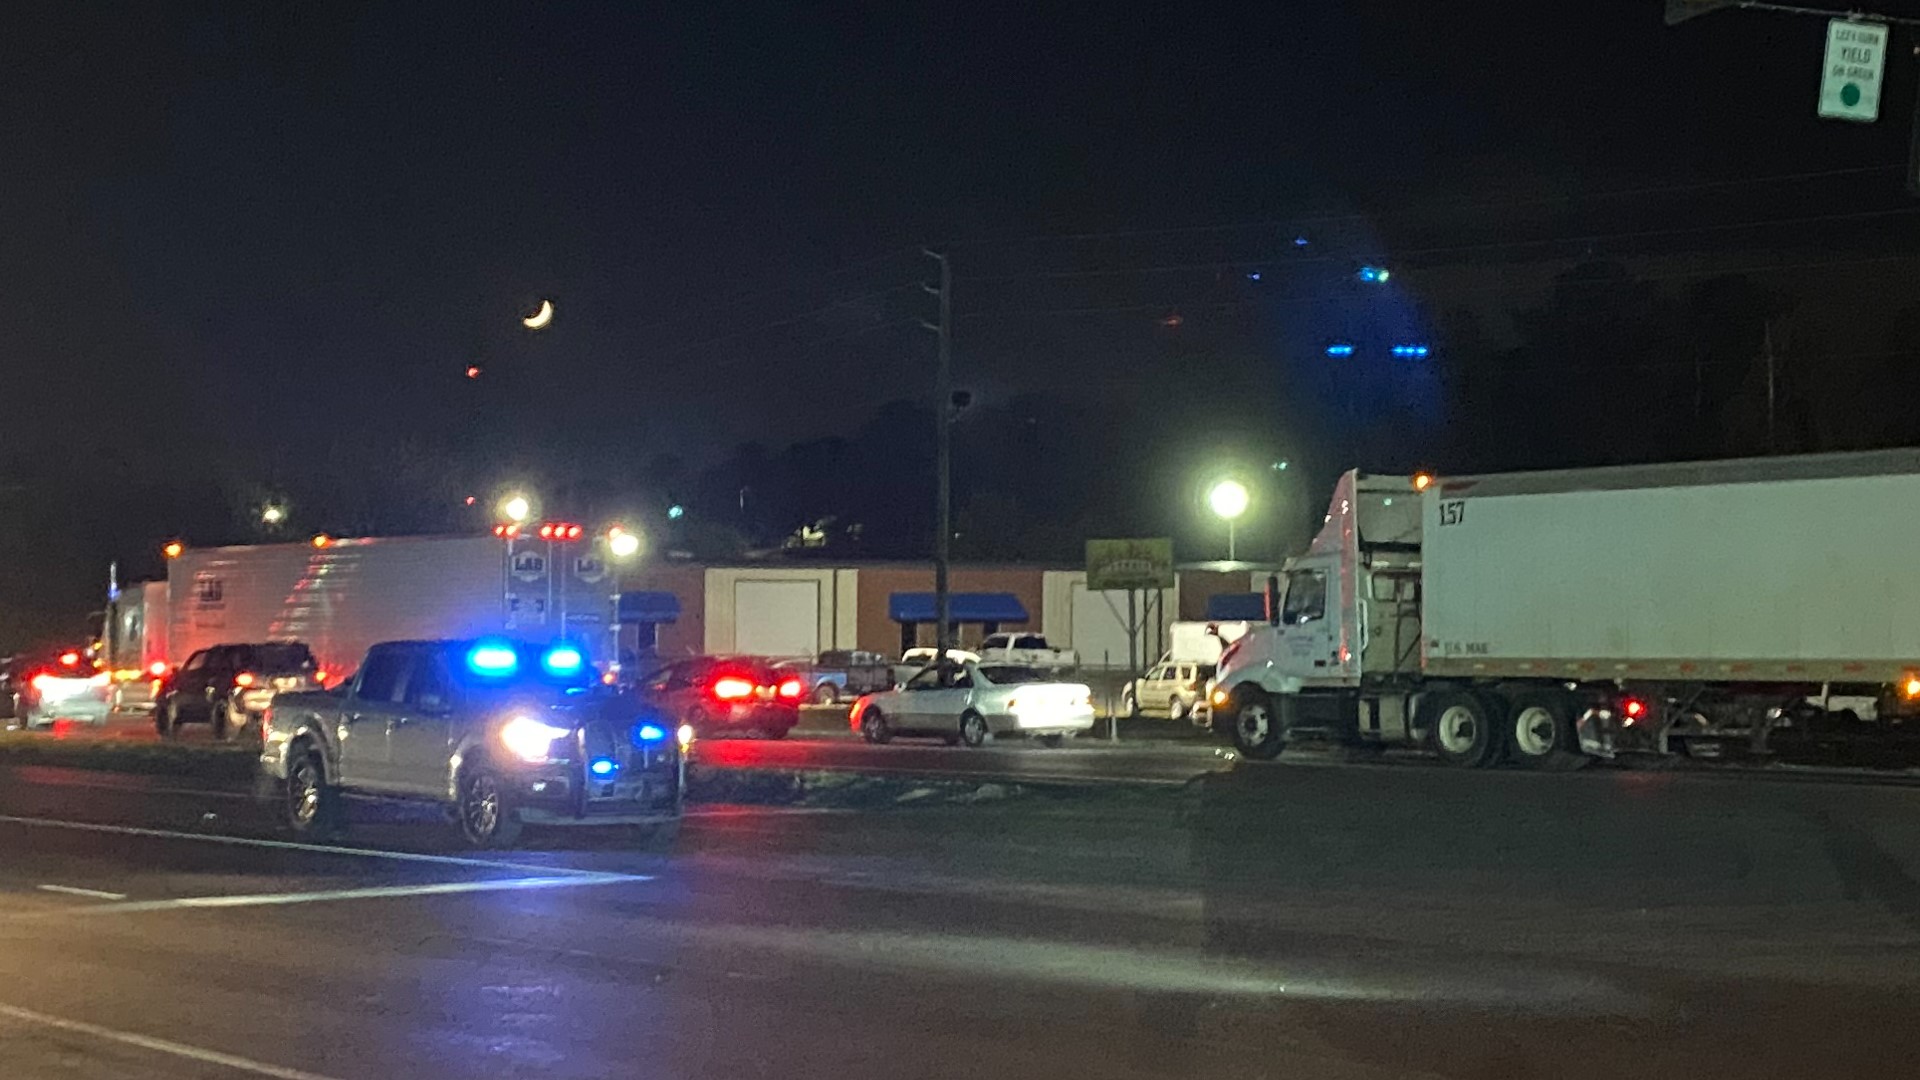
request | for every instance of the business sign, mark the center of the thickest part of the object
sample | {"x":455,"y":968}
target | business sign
{"x":529,"y":565}
{"x":1850,"y":80}
{"x":1130,"y":564}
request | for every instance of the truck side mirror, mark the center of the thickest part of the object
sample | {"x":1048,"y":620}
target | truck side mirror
{"x":1273,"y":600}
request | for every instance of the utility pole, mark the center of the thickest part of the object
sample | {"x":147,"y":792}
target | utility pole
{"x":943,"y":457}
{"x":1766,"y":340}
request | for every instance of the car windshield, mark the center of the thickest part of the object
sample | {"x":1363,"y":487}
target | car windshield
{"x":1012,"y":674}
{"x":286,"y":656}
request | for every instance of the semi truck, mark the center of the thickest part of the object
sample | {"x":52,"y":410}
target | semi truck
{"x":341,"y":596}
{"x":1550,"y":619}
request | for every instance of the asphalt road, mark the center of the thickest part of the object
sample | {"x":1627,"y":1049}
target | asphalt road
{"x":1080,"y":761}
{"x":1271,"y":921}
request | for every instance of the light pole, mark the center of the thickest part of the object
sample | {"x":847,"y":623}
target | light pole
{"x":1228,"y":499}
{"x":515,"y":509}
{"x":622,"y":546}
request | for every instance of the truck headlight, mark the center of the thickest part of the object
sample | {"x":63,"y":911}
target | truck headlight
{"x":531,"y":740}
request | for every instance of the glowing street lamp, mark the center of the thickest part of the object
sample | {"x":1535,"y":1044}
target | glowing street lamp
{"x":622,"y":544}
{"x":1228,"y":499}
{"x":272,"y":514}
{"x":516,"y":508}
{"x":174,"y":549}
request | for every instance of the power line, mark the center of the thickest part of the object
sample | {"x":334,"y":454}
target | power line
{"x":1295,"y":223}
{"x":1590,"y":238}
{"x":1175,"y":305}
{"x":740,"y":298}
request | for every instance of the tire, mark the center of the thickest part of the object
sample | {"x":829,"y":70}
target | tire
{"x":310,"y":806}
{"x":484,"y":811}
{"x":973,"y":729}
{"x":1540,"y":734}
{"x":220,"y":715}
{"x":874,"y":727}
{"x":166,"y":719}
{"x":826,"y":694}
{"x":1176,"y":708}
{"x":1126,"y":703}
{"x":1052,"y":742}
{"x":1464,"y":729}
{"x":1259,"y":726}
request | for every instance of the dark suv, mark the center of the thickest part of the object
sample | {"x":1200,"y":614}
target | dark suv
{"x":726,"y":695}
{"x":230,"y":686}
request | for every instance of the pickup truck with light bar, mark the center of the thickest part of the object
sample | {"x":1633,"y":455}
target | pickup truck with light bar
{"x":502,"y":733}
{"x":1713,"y":609}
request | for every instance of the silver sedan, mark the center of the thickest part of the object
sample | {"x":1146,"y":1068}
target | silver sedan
{"x":970,"y":703}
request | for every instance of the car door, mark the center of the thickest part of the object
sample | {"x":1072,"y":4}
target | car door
{"x":420,"y":731}
{"x":365,"y":760}
{"x":1180,"y":688}
{"x":912,"y":709}
{"x":189,"y":690}
{"x":1153,"y":687}
{"x":938,"y":706}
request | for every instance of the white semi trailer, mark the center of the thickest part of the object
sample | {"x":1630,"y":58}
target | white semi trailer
{"x":340,"y":596}
{"x":1551,"y":618}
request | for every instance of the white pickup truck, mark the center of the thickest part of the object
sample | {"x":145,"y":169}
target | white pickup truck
{"x":1026,"y":650}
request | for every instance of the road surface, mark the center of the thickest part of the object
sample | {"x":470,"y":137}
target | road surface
{"x":1271,"y":921}
{"x":1082,"y":761}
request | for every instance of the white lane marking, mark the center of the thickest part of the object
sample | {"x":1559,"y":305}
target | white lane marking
{"x":70,"y":890}
{"x":160,"y":1046}
{"x":370,"y":892}
{"x":288,"y":845}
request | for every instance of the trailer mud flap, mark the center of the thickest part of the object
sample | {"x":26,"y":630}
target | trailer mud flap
{"x":1595,"y":729}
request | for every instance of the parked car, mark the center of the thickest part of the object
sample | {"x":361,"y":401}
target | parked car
{"x":38,"y":688}
{"x":725,"y":695}
{"x":139,"y":691}
{"x":972,"y":703}
{"x":914,"y":660}
{"x":231,"y":686}
{"x":842,"y":675}
{"x":1027,"y":650}
{"x":502,"y":733}
{"x":1171,"y":689}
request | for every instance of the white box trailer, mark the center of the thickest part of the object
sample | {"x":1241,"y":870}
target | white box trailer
{"x":1545,"y":618}
{"x":351,"y":593}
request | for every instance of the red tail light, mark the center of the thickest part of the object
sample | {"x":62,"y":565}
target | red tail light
{"x":320,"y":677}
{"x":732,"y":688}
{"x":41,"y":680}
{"x":1634,"y":710}
{"x":69,"y":659}
{"x":245,"y":678}
{"x":157,"y":668}
{"x":791,"y":689}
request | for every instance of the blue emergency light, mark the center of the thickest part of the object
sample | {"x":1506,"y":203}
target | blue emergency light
{"x":602,"y":766}
{"x":493,"y":658}
{"x":562,"y":660}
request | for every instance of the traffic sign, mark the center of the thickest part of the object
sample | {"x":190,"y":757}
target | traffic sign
{"x":1850,"y":81}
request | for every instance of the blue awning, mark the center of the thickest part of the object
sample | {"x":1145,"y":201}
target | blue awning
{"x":654,"y":607}
{"x":967,"y":607}
{"x":1237,"y":607}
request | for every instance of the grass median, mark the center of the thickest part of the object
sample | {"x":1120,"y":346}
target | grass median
{"x":221,"y":763}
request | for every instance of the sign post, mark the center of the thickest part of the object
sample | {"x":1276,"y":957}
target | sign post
{"x":1133,"y":565}
{"x":1850,"y":77}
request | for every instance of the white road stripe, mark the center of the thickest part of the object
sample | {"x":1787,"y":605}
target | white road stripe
{"x":288,"y":845}
{"x":160,"y":1046}
{"x":370,"y":892}
{"x":70,"y":890}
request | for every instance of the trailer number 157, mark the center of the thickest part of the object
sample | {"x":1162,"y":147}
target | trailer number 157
{"x":1451,"y":513}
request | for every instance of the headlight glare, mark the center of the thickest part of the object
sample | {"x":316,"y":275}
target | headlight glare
{"x":529,"y":739}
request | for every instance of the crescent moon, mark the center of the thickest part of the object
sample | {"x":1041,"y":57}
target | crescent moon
{"x":539,"y":319}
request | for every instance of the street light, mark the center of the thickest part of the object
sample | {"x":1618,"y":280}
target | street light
{"x":174,"y":549}
{"x":272,"y":514}
{"x":622,"y":544}
{"x":1228,"y":499}
{"x":516,"y":508}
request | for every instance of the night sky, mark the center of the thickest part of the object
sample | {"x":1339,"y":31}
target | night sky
{"x":251,"y":248}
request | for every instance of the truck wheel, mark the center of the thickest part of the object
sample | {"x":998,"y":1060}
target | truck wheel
{"x":873,"y":727}
{"x":311,"y":805}
{"x":484,"y":810}
{"x":166,"y":719}
{"x":1542,"y":735}
{"x":1259,"y":731}
{"x":1461,"y":728}
{"x":1126,"y":703}
{"x":826,"y":694}
{"x":1176,"y":708}
{"x":220,"y":715}
{"x":973,"y":729}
